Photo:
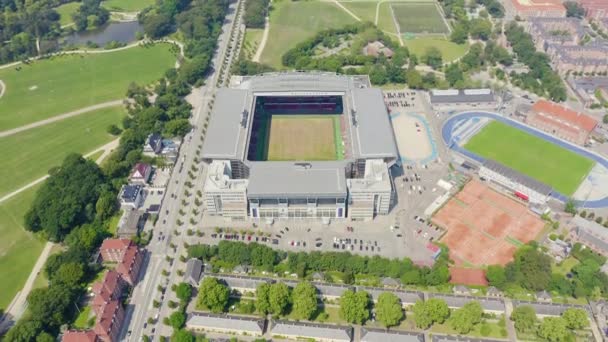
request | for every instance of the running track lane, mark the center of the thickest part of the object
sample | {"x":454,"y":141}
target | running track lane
{"x":450,"y":142}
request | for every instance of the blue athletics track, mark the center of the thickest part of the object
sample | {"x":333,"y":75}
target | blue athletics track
{"x":451,"y":142}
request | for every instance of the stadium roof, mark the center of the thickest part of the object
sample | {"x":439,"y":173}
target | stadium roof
{"x":518,"y":177}
{"x":314,"y":331}
{"x":225,"y":322}
{"x":302,"y":81}
{"x":295,"y":179}
{"x":373,"y":129}
{"x":381,"y":335}
{"x":461,"y":96}
{"x":225,"y":134}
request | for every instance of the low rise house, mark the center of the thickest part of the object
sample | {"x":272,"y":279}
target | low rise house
{"x":377,"y":48}
{"x":381,"y":335}
{"x":194,"y":269}
{"x":241,"y":269}
{"x":225,"y":324}
{"x":461,"y":290}
{"x":490,"y":305}
{"x":131,"y":196}
{"x":153,"y":145}
{"x":591,"y":234}
{"x":559,"y":249}
{"x":493,"y":292}
{"x":316,"y":332}
{"x":550,"y":309}
{"x":318,"y":276}
{"x":407,"y":297}
{"x":543,"y":296}
{"x":140,"y":173}
{"x":390,"y":282}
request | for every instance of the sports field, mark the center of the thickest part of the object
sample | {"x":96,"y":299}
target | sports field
{"x":419,"y":18}
{"x":18,"y":248}
{"x":58,"y":85}
{"x":294,"y":21}
{"x":30,"y":154}
{"x":557,"y":167}
{"x":303,"y":137}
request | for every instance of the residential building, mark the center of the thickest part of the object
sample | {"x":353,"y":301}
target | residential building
{"x":194,"y":270}
{"x":318,"y":276}
{"x":407,"y":297}
{"x":241,"y":269}
{"x":377,"y":48}
{"x":109,"y":322}
{"x":536,"y":8}
{"x":559,"y":31}
{"x":455,"y":99}
{"x":108,"y":289}
{"x":129,"y":224}
{"x":140,"y":173}
{"x":491,"y":305}
{"x":225,"y":324}
{"x":390,"y":282}
{"x":559,"y":249}
{"x":595,"y":9}
{"x":382,"y":335}
{"x":113,"y":250}
{"x":591,"y":234}
{"x":153,"y":145}
{"x":543,"y":296}
{"x":522,"y":186}
{"x":586,"y":86}
{"x":79,"y":336}
{"x":316,"y":332}
{"x":461,"y":290}
{"x":583,"y":59}
{"x":130,"y":264}
{"x":131,"y":196}
{"x":493,"y":292}
{"x":562,"y":122}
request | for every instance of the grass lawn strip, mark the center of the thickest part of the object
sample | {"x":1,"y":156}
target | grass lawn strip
{"x":294,"y":21}
{"x":450,"y":51}
{"x":531,"y":155}
{"x":65,"y":12}
{"x":126,"y":5}
{"x":19,"y":249}
{"x":365,"y":10}
{"x":65,"y":83}
{"x":253,"y":37}
{"x":30,"y":154}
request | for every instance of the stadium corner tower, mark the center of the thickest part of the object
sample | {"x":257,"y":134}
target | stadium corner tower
{"x":316,"y":146}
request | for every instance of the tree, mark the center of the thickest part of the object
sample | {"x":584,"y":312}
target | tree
{"x":453,"y":74}
{"x":25,"y":330}
{"x":605,"y":119}
{"x":464,"y":319}
{"x":45,"y":337}
{"x":480,"y":29}
{"x":575,"y":318}
{"x":433,"y":58}
{"x":304,"y":299}
{"x":113,"y":129}
{"x":157,"y":25}
{"x":177,"y":128}
{"x":182,"y":335}
{"x":570,"y":206}
{"x":69,"y":274}
{"x":574,"y":9}
{"x":414,"y":79}
{"x":183,"y":291}
{"x":262,"y":295}
{"x":354,"y":306}
{"x":106,"y":205}
{"x":553,"y":329}
{"x":213,"y":295}
{"x":388,"y":309}
{"x":524,"y":318}
{"x":279,"y":298}
{"x":177,"y":319}
{"x":431,"y":311}
{"x":496,"y":276}
{"x":460,"y":33}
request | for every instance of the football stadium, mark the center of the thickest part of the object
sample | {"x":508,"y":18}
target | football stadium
{"x":299,"y":146}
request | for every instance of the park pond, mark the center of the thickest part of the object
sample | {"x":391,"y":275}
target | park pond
{"x":121,"y":32}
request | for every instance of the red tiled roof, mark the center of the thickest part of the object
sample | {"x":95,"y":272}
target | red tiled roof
{"x":575,"y":118}
{"x":128,"y":259}
{"x":116,"y":244}
{"x":105,"y":319}
{"x":468,"y":276}
{"x":142,"y":168}
{"x":104,"y":289}
{"x":79,"y":336}
{"x":545,"y":5}
{"x":433,"y":248}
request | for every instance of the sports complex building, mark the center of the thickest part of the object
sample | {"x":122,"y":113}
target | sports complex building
{"x":299,"y":146}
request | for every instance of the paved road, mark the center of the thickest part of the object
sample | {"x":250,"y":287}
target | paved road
{"x":452,"y":142}
{"x":60,"y":117}
{"x":19,"y":304}
{"x":145,"y":292}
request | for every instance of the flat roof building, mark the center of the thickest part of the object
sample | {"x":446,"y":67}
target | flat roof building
{"x":317,"y":332}
{"x":454,"y":99}
{"x":522,"y":186}
{"x":381,"y":335}
{"x":244,"y":183}
{"x":222,"y":323}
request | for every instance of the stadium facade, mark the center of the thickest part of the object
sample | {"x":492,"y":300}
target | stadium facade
{"x":243,"y":182}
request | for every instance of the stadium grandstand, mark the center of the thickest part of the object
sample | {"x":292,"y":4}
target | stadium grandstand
{"x":299,"y":146}
{"x":455,"y":99}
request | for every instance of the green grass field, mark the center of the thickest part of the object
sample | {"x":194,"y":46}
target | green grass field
{"x":450,"y":51}
{"x":127,"y":5}
{"x":65,"y":12}
{"x":303,"y":137}
{"x":28,"y":155}
{"x":419,"y":18}
{"x":19,"y":249}
{"x":252,"y":40}
{"x":62,"y":84}
{"x":365,"y":10}
{"x":557,"y":167}
{"x":385,"y":18}
{"x":294,"y":21}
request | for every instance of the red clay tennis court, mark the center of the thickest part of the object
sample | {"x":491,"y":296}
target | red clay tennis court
{"x":484,"y":227}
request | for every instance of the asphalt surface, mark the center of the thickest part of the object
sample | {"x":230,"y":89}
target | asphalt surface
{"x":140,"y":307}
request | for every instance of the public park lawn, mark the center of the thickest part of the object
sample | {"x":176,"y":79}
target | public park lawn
{"x":253,"y":37}
{"x":30,"y":154}
{"x":58,"y":85}
{"x":365,"y":10}
{"x":19,"y":249}
{"x":65,"y":12}
{"x":127,"y":5}
{"x":566,"y":266}
{"x":531,"y":155}
{"x":291,"y":22}
{"x":449,"y":50}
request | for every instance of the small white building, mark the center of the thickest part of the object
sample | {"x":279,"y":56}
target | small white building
{"x":371,"y":195}
{"x":522,"y":186}
{"x":225,"y":196}
{"x":131,"y":196}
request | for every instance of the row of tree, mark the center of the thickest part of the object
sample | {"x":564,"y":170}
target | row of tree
{"x":229,"y":254}
{"x":550,"y":328}
{"x":255,"y":13}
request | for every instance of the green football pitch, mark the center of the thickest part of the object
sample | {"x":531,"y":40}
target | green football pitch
{"x":544,"y":161}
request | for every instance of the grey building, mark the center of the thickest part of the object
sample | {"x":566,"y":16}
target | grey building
{"x":492,"y":305}
{"x":225,"y":324}
{"x":406,"y":297}
{"x":550,"y":309}
{"x":522,"y":186}
{"x":316,"y":332}
{"x":194,"y":270}
{"x":243,"y":184}
{"x":591,"y":234}
{"x":454,"y":99}
{"x":381,"y":335}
